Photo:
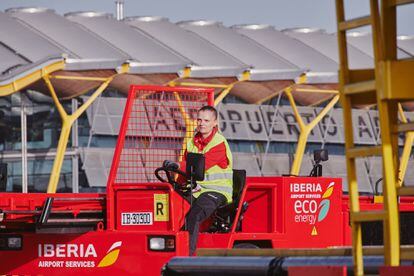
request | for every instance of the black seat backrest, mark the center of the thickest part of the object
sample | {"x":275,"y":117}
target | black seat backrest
{"x":224,"y":216}
{"x":239,"y":180}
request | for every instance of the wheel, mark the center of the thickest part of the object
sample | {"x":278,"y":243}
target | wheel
{"x":245,"y":245}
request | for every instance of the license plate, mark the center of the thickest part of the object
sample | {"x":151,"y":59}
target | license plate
{"x":141,"y":218}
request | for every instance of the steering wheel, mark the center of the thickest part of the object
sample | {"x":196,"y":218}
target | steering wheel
{"x":170,"y":178}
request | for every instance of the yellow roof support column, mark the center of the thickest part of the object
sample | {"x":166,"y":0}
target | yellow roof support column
{"x":226,"y":87}
{"x":67,"y":121}
{"x":186,"y":74}
{"x":244,"y":77}
{"x":199,"y":84}
{"x":18,"y":84}
{"x":190,"y":124}
{"x":305,"y":129}
{"x":302,"y":79}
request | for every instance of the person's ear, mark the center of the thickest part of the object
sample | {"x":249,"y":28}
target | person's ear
{"x":215,"y":122}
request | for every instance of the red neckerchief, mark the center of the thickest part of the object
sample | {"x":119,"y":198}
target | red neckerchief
{"x":201,"y":142}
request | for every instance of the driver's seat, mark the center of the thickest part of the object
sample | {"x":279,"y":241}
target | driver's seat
{"x":224,"y":216}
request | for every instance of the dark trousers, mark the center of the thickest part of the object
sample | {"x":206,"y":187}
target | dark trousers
{"x":203,"y":207}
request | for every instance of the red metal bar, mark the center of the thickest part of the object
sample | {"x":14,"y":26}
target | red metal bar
{"x":396,"y":270}
{"x":115,"y":161}
{"x":317,"y":271}
{"x":153,"y":129}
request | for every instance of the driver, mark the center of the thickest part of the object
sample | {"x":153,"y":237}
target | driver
{"x":217,"y":188}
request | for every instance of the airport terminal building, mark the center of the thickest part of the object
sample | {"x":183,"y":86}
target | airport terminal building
{"x":273,"y":89}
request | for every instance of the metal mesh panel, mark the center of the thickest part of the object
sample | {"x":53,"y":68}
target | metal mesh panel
{"x":158,"y":124}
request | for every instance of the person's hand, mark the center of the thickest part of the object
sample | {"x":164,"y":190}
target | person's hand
{"x":170,"y":165}
{"x":196,"y":189}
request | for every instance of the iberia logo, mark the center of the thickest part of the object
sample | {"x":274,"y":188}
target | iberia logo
{"x":79,"y":255}
{"x":324,"y":205}
{"x":111,"y":255}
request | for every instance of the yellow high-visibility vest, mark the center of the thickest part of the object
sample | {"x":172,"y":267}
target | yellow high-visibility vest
{"x":216,"y":179}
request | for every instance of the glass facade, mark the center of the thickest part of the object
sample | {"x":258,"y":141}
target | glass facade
{"x":43,"y":121}
{"x":38,"y":176}
{"x":43,"y":125}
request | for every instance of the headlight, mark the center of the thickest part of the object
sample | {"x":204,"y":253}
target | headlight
{"x":14,"y":242}
{"x":10,"y":242}
{"x":161,"y":243}
{"x":157,"y":243}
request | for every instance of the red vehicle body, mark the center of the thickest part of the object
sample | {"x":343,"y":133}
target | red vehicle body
{"x":113,"y":233}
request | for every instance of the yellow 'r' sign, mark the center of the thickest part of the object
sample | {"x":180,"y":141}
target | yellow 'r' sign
{"x":161,"y":207}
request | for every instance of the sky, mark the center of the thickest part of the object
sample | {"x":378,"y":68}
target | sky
{"x":279,"y":13}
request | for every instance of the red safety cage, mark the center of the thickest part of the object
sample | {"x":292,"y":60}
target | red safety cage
{"x":156,"y":125}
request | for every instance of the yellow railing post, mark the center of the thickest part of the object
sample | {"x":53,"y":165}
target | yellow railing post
{"x":67,"y":122}
{"x":388,"y":115}
{"x":408,"y":144}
